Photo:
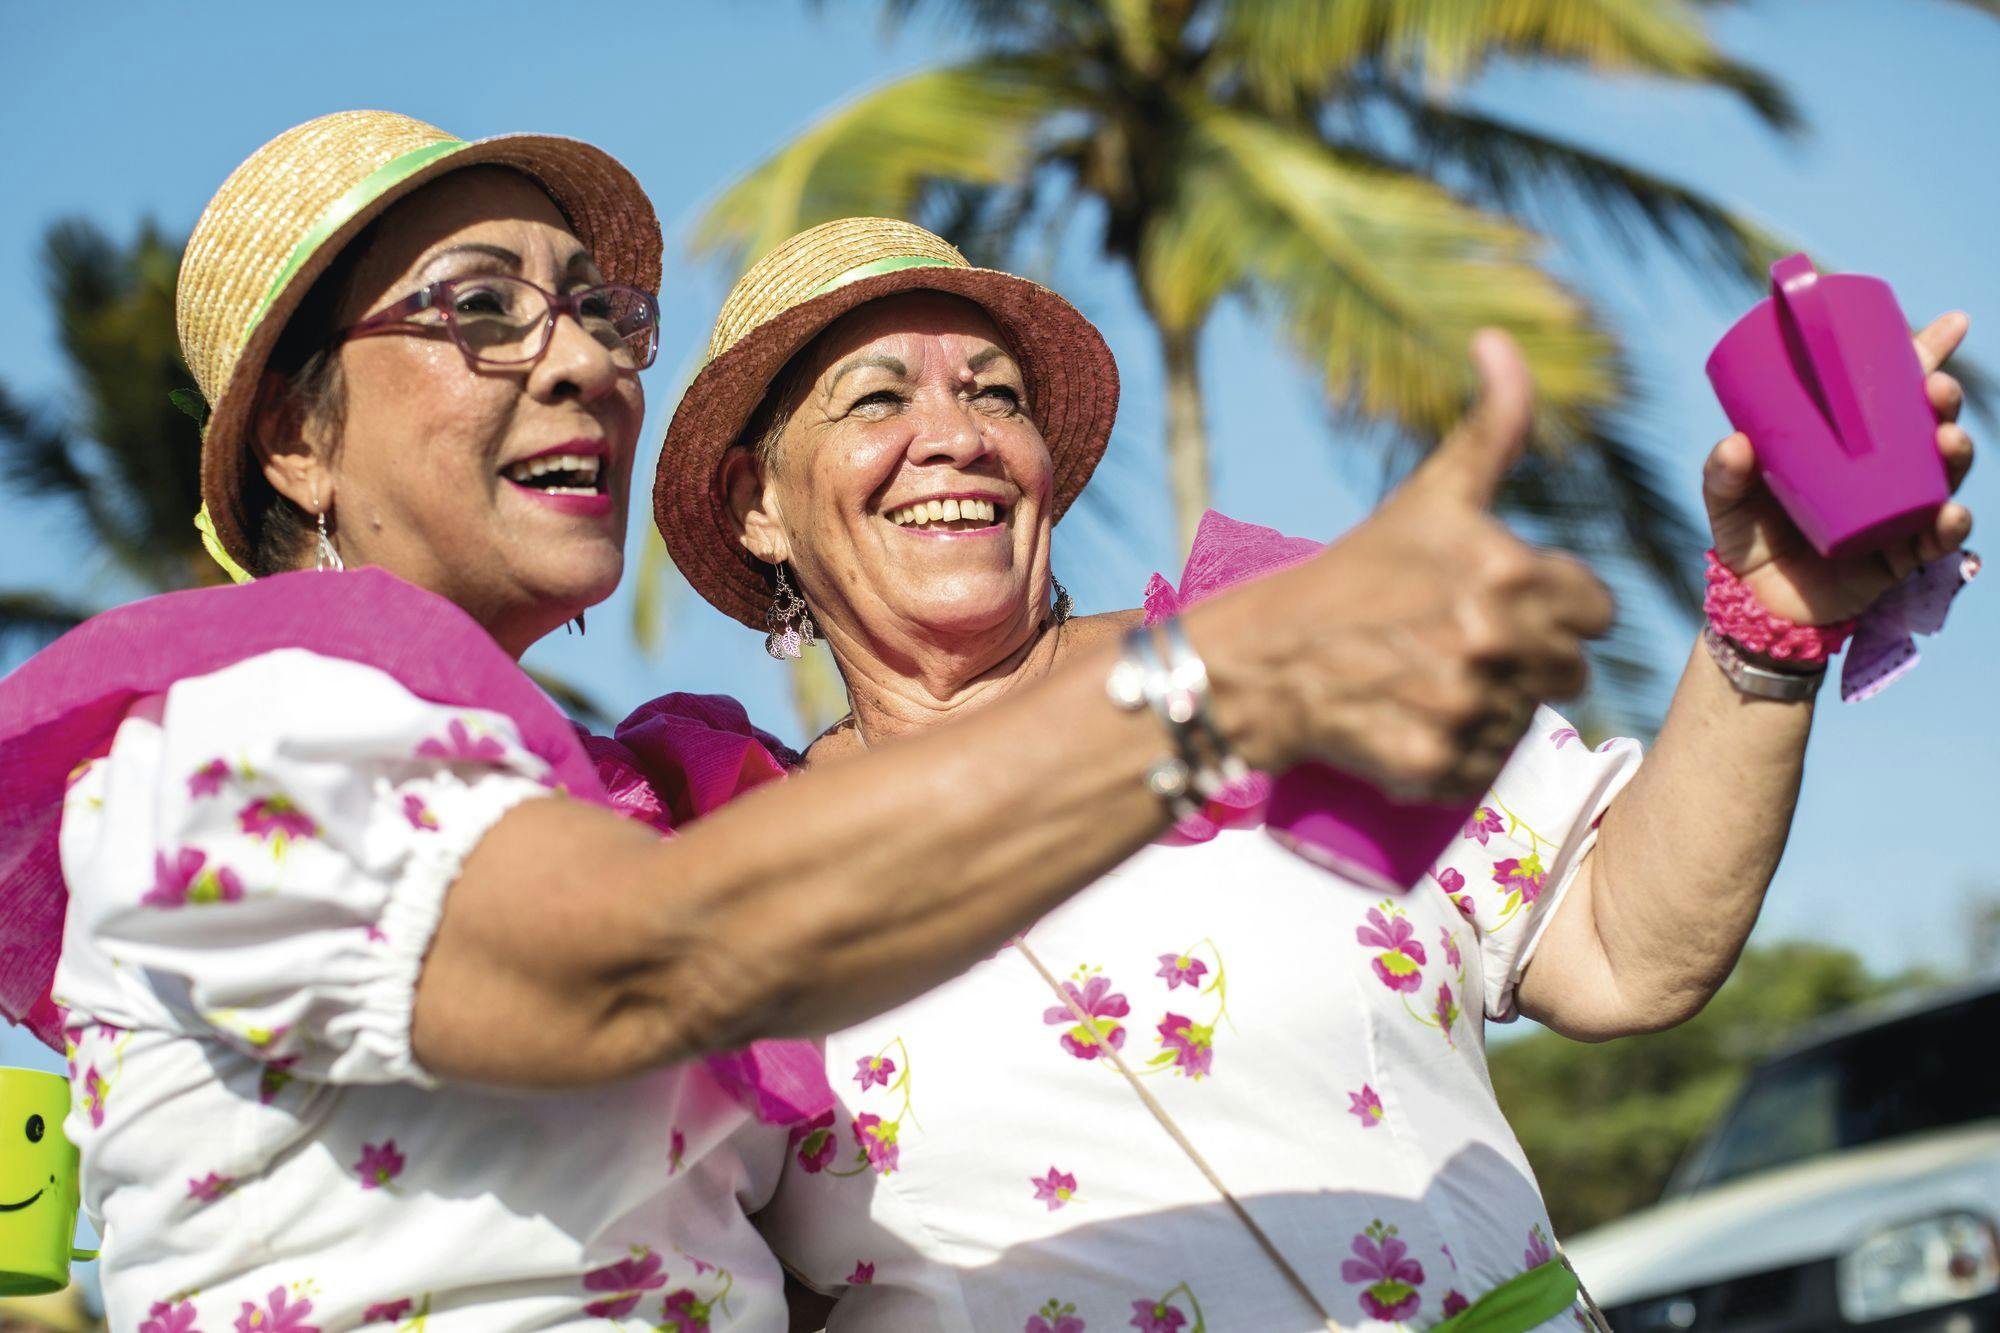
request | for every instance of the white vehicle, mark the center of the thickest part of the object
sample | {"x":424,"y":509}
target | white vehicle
{"x":1855,"y":1183}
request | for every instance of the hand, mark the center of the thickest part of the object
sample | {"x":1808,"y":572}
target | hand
{"x":1413,"y":651}
{"x":1755,"y":538}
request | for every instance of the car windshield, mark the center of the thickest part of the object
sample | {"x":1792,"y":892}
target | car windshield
{"x":1905,"y":1077}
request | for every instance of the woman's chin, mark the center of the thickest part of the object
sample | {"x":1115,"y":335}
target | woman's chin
{"x":968,"y":613}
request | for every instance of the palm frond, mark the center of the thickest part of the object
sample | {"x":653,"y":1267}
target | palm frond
{"x":576,"y":702}
{"x":1534,"y":176}
{"x":136,"y":457}
{"x":1378,"y":277}
{"x":31,"y":621}
{"x":657,"y":590}
{"x":973,"y":124}
{"x":1293,"y":52}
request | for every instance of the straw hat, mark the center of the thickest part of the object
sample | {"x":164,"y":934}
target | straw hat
{"x":282,"y":216}
{"x":782,"y":304}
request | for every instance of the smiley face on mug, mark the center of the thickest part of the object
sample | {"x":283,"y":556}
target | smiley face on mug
{"x":38,"y":1183}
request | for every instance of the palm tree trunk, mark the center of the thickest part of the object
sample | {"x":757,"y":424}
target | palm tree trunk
{"x":1187,"y":432}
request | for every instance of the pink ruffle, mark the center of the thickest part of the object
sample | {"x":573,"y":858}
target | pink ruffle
{"x":1226,"y":552}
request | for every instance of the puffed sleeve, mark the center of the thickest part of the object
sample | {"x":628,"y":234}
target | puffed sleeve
{"x":1516,"y":858}
{"x":263,"y":857}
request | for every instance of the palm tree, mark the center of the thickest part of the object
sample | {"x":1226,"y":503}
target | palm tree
{"x":1308,"y":158}
{"x":125,"y":462}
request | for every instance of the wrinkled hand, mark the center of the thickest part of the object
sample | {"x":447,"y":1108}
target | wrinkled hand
{"x":1755,"y":538}
{"x":1413,"y":651}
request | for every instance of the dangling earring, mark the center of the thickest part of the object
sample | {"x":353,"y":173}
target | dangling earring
{"x":326,"y":557}
{"x":792,"y":630}
{"x":1060,"y":610}
{"x":576,"y":626}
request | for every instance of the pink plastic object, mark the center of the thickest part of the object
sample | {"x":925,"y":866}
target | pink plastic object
{"x":1824,"y":380}
{"x":1338,"y":821}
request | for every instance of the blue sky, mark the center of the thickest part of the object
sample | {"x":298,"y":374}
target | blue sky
{"x":141,"y":111}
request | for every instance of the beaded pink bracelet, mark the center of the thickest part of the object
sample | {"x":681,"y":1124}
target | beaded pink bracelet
{"x":1739,"y":617}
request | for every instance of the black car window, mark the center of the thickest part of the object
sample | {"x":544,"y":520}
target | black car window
{"x":1928,"y":1071}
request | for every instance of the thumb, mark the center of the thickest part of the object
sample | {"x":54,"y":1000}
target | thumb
{"x":1469,"y":464}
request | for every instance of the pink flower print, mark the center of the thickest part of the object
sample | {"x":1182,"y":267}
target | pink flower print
{"x":1383,"y":1261}
{"x":379,"y":1165}
{"x":682,"y":1313}
{"x":275,"y":818}
{"x":1563,"y":736}
{"x":1449,"y":879}
{"x":419,"y":814}
{"x":1401,"y":957}
{"x":1181,"y":970}
{"x":1521,"y":875}
{"x":1454,"y":1303}
{"x":460,"y":746}
{"x":210,"y":1188}
{"x":95,"y":1093}
{"x":677,"y":1146}
{"x":1157,"y":1317}
{"x":167,"y":1318}
{"x":873,"y":1070}
{"x":274,"y":1078}
{"x":1055,"y":1189}
{"x":1451,"y":953}
{"x":814,"y":1141}
{"x":630,"y":1277}
{"x":1055,"y":1317}
{"x":208,"y":779}
{"x":1191,"y":1045}
{"x":279,"y":1315}
{"x":1365,"y":1106}
{"x":1538,"y":1252}
{"x":1101,"y":1006}
{"x":862,"y":1275}
{"x":387,"y":1312}
{"x":1483,"y":824}
{"x":187,"y":878}
{"x":1446,"y":1009}
{"x":877,"y":1139}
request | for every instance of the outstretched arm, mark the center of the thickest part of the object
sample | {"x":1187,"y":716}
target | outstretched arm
{"x":575,"y":947}
{"x":1660,"y":910}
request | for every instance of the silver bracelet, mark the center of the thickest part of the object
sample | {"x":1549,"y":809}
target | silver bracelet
{"x":1200,"y":762}
{"x":1214,"y":764}
{"x":1760,"y":682}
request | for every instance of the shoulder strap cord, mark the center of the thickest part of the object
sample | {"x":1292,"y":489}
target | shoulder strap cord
{"x":1264,"y":1241}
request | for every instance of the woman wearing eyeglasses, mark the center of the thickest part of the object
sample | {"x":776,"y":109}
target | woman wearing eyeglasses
{"x":315,"y":888}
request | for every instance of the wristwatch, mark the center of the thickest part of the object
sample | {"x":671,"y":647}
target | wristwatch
{"x":1760,"y":682}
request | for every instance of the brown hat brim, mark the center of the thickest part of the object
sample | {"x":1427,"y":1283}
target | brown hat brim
{"x":1071,"y":378}
{"x":602,"y":200}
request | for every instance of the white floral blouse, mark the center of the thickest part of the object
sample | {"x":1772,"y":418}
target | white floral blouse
{"x":255,"y":873}
{"x":1319,"y":1043}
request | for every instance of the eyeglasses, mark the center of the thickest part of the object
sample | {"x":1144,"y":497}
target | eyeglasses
{"x":502,"y":321}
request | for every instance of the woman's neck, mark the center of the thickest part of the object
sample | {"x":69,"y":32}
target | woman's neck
{"x":892,"y":699}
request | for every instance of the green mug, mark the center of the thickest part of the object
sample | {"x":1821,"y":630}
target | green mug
{"x":38,"y":1184}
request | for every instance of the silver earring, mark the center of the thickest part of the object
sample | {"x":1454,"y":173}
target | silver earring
{"x":792,"y":629}
{"x":1060,"y":610}
{"x":326,"y":557}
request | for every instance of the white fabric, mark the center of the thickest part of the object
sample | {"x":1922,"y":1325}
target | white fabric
{"x":983,"y":1097}
{"x":256,"y":871}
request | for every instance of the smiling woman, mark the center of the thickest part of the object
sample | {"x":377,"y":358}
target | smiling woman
{"x":311,"y":884}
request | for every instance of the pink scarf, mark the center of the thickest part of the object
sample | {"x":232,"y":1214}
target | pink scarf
{"x":673,"y":760}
